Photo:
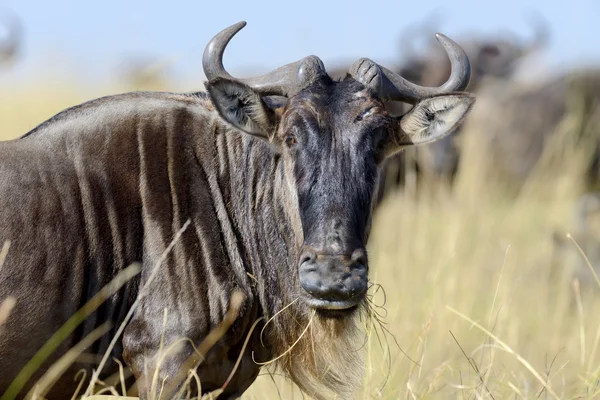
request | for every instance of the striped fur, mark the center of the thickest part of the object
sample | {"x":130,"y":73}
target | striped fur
{"x":110,"y":182}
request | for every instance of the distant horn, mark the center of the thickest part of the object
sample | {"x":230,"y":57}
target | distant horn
{"x":283,"y":81}
{"x":541,"y":34}
{"x":392,"y":86}
{"x":10,"y":44}
{"x":425,"y":27}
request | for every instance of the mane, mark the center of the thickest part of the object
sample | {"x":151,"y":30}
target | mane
{"x":195,"y":97}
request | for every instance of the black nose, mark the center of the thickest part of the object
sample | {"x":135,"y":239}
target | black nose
{"x":333,"y":281}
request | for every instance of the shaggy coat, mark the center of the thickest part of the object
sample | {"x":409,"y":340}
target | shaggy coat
{"x":110,"y":182}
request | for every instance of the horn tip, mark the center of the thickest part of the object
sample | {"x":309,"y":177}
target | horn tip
{"x":445,"y":40}
{"x":235,"y":28}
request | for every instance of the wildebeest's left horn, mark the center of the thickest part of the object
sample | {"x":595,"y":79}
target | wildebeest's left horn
{"x":392,"y":86}
{"x":283,"y":81}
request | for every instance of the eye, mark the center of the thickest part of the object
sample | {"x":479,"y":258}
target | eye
{"x":290,"y":140}
{"x":364,"y":114}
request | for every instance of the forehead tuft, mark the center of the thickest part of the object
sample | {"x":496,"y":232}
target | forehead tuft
{"x":333,"y":94}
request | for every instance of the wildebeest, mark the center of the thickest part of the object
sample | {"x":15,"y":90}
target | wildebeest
{"x":10,"y":37}
{"x":514,"y":142}
{"x":493,"y":56}
{"x":276,"y":174}
{"x":493,"y":59}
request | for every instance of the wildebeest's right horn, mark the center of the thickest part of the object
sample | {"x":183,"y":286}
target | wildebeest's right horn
{"x":392,"y":86}
{"x":9,"y":44}
{"x":283,"y":81}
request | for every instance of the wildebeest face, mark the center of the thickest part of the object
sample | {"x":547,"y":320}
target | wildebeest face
{"x":332,"y":137}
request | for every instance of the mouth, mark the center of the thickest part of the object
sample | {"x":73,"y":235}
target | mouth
{"x":333,"y":305}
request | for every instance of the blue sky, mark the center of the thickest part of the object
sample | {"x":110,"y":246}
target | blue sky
{"x":93,"y":37}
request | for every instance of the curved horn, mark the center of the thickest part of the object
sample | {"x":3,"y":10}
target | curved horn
{"x":392,"y":86}
{"x":541,"y":34}
{"x":283,"y":81}
{"x":10,"y":43}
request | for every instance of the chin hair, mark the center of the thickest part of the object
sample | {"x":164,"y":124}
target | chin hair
{"x":322,"y":350}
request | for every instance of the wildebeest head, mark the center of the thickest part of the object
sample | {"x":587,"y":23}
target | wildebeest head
{"x":500,"y":57}
{"x":332,"y":137}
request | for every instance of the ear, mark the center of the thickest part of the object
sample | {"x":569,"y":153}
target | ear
{"x":433,"y":118}
{"x":243,"y":107}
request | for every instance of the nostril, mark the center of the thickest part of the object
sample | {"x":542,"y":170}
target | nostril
{"x":307,"y":255}
{"x":360,"y":256}
{"x":333,"y":277}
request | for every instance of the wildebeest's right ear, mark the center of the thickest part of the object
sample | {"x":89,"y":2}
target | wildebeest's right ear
{"x":431,"y":119}
{"x":243,"y":107}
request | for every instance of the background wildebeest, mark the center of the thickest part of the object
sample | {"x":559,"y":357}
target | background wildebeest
{"x":10,"y":37}
{"x":492,"y":56}
{"x":540,"y":126}
{"x":544,"y":128}
{"x":494,"y":60}
{"x":513,"y":143}
{"x":279,"y":201}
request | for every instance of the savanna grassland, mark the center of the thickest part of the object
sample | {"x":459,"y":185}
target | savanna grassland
{"x":473,"y":302}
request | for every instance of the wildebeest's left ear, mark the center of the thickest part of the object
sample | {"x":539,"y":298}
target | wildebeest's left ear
{"x":243,"y":107}
{"x":431,"y":119}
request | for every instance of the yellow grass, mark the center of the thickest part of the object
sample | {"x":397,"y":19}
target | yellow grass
{"x":470,"y":309}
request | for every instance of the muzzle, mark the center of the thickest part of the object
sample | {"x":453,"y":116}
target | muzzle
{"x":333,"y":281}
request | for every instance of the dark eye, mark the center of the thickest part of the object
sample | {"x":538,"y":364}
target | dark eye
{"x":290,"y":140}
{"x":364,"y":114}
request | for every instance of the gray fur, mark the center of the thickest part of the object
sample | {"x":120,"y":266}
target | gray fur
{"x":110,"y":182}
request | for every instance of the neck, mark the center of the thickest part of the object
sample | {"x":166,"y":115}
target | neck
{"x":251,"y":181}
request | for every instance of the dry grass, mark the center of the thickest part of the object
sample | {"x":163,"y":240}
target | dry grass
{"x":447,"y":264}
{"x":471,"y":310}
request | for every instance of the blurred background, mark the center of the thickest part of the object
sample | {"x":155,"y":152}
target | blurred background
{"x":486,"y":243}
